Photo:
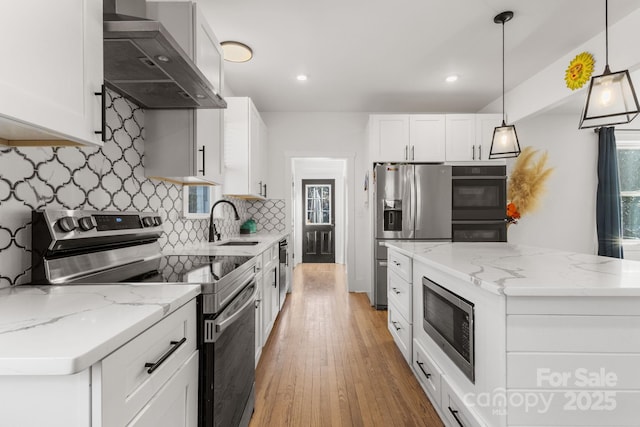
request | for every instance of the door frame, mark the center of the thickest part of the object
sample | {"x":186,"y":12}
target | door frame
{"x":327,"y":182}
{"x":349,"y":206}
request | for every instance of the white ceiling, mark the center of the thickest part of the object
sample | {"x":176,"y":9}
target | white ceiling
{"x":393,"y":55}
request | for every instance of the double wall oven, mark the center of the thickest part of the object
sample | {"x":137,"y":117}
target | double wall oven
{"x":89,"y":247}
{"x":478,"y":204}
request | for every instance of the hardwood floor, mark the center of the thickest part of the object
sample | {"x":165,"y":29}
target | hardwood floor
{"x":330,"y":361}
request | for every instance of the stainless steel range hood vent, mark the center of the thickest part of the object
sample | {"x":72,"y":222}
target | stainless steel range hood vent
{"x":143,"y":62}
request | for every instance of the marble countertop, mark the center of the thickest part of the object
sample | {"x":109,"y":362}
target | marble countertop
{"x":517,"y":270}
{"x":61,"y":330}
{"x":214,"y":248}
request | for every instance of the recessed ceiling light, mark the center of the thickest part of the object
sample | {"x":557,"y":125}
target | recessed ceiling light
{"x":301,"y":77}
{"x":236,"y":51}
{"x":452,"y":78}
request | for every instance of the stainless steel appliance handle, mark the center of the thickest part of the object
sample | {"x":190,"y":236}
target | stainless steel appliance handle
{"x":382,"y":263}
{"x":455,"y":415}
{"x":155,"y":365}
{"x":478,"y":177}
{"x":229,"y":319}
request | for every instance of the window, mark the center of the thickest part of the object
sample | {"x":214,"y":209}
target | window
{"x":198,"y":200}
{"x":318,"y":204}
{"x":629,"y":172}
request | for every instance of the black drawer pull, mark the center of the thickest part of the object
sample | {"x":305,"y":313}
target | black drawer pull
{"x":455,"y":415}
{"x":203,"y":157}
{"x":395,"y":291}
{"x":422,"y":369}
{"x":395,"y":325}
{"x":155,"y":365}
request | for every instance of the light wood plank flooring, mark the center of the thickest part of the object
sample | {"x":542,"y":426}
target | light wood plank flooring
{"x":330,"y":361}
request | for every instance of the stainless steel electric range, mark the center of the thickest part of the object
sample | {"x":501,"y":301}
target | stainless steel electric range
{"x":91,"y":247}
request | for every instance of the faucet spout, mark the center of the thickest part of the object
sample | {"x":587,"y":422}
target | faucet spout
{"x":212,"y":228}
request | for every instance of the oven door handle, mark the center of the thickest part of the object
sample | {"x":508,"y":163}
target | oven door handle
{"x":229,"y":319}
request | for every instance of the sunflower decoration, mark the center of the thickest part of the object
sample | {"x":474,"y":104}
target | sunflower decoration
{"x":579,"y":71}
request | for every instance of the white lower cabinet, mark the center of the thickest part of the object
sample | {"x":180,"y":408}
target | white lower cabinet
{"x":400,"y":330}
{"x":269,"y":305}
{"x":259,"y":308}
{"x":454,"y":410}
{"x":119,"y":390}
{"x":427,"y":373}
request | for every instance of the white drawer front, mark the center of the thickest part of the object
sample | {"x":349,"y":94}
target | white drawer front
{"x":399,"y":291}
{"x":127,"y":385}
{"x":573,"y":371}
{"x":400,"y":330}
{"x":456,"y":413}
{"x":400,"y":264}
{"x":176,"y":404}
{"x":427,"y":372}
{"x":588,"y":334}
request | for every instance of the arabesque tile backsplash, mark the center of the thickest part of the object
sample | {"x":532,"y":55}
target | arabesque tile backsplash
{"x":106,"y":178}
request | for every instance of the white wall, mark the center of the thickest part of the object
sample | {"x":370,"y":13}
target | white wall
{"x":566,"y":216}
{"x":334,"y":135}
{"x":312,"y":168}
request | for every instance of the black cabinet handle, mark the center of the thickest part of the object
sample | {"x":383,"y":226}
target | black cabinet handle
{"x":155,"y":365}
{"x":265,"y":190}
{"x":422,"y":369}
{"x":395,"y":325}
{"x":203,"y":168}
{"x":103,"y":107}
{"x":395,"y":291}
{"x":455,"y":415}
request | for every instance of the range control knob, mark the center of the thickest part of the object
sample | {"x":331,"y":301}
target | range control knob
{"x":157,"y":220}
{"x":67,"y":224}
{"x":87,"y":223}
{"x":147,"y":221}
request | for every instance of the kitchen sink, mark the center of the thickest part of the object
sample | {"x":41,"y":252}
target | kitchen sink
{"x":239,"y":243}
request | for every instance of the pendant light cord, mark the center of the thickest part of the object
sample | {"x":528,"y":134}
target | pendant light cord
{"x":606,"y":31}
{"x":503,"y":112}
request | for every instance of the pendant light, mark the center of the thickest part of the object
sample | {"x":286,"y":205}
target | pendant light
{"x":611,"y":99}
{"x":505,"y":139}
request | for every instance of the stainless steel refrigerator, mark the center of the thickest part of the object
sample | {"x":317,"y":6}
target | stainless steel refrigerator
{"x":412,"y":202}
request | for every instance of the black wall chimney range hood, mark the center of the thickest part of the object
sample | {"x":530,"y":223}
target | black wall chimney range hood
{"x":144,"y":63}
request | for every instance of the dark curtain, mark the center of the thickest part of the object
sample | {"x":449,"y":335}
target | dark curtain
{"x":608,"y":203}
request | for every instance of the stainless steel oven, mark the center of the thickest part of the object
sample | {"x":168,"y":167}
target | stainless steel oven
{"x":478,"y":193}
{"x":448,"y":320}
{"x":89,"y":247}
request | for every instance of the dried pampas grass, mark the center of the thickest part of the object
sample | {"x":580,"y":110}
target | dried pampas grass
{"x":527,"y":181}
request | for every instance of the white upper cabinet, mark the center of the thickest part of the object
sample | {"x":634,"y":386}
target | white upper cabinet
{"x":52,"y":69}
{"x":461,"y":137}
{"x":245,"y":152}
{"x":469,"y":136}
{"x":389,"y":137}
{"x":427,"y":138}
{"x":485,"y":124}
{"x":187,"y":145}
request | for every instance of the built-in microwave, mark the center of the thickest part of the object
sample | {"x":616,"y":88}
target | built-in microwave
{"x":448,"y":320}
{"x":478,"y":192}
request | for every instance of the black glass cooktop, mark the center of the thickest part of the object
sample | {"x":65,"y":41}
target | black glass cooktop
{"x":191,"y":269}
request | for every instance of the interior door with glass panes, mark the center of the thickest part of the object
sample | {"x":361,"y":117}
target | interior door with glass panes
{"x":318,"y":223}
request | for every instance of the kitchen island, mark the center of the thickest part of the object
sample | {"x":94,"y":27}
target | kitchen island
{"x":556,"y":334}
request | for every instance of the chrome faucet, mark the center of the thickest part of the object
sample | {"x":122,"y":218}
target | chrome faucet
{"x":213,"y":233}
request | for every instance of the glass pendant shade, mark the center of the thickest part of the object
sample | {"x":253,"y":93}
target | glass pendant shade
{"x":504,"y":143}
{"x":611,"y":100}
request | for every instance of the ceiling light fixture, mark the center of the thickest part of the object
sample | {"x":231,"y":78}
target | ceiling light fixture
{"x":236,"y":51}
{"x":505,"y":139}
{"x":302,"y":77}
{"x":452,"y":78}
{"x":611,"y":99}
